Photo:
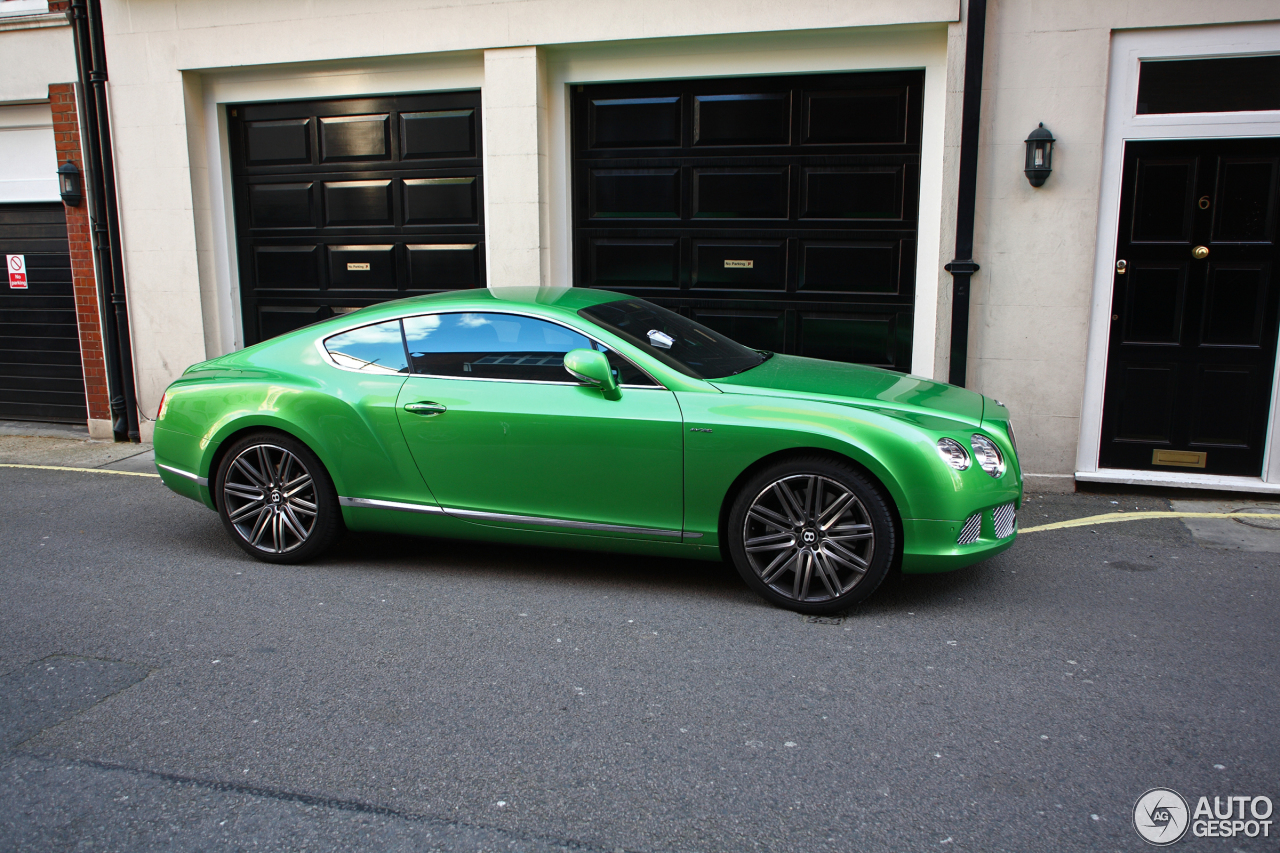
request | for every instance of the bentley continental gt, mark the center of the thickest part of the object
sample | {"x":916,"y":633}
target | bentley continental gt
{"x":579,"y":418}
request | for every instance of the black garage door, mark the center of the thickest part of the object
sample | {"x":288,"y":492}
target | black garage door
{"x":40,"y":374}
{"x":345,"y":203}
{"x":781,"y":211}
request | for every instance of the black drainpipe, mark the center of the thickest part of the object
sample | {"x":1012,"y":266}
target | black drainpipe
{"x":91,"y":61}
{"x":963,"y":267}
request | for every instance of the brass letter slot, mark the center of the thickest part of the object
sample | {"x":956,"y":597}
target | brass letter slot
{"x":1180,"y":458}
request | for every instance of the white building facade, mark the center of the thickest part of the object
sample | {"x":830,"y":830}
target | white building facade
{"x":784,"y":172}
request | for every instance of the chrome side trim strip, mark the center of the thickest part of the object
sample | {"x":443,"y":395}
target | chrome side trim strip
{"x":199,"y":481}
{"x":369,"y":503}
{"x":689,"y":535}
{"x":561,"y":522}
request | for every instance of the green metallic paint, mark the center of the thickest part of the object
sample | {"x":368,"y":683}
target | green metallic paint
{"x":664,"y":459}
{"x":561,"y":451}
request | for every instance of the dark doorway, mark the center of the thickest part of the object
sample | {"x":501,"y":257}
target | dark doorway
{"x":1194,"y":314}
{"x":41,"y":378}
{"x":781,"y":211}
{"x":346,"y":203}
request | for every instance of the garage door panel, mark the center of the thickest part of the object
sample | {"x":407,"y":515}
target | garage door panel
{"x":634,"y":193}
{"x":55,"y":365}
{"x":864,"y":338}
{"x":441,"y":201}
{"x":743,"y":193}
{"x":358,"y":203}
{"x":282,"y":205}
{"x":634,"y":122}
{"x":764,"y":330}
{"x":742,"y":119}
{"x":364,"y":138}
{"x":870,"y":267}
{"x":277,"y":142}
{"x":362,"y":267}
{"x":286,"y":266}
{"x":445,"y":266}
{"x":437,"y":134}
{"x":873,"y":192}
{"x":740,"y":265}
{"x":856,"y":117}
{"x":637,"y":262}
{"x":388,"y":200}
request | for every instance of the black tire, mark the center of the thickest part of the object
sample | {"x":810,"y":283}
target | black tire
{"x":822,"y":535}
{"x":276,"y":499}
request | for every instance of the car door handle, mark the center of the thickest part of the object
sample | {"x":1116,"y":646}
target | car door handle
{"x":426,"y":408}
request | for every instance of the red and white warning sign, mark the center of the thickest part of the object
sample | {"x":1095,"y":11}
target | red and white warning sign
{"x":17,"y":265}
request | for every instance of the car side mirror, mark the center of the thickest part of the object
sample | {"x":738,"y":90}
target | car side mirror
{"x":591,"y":368}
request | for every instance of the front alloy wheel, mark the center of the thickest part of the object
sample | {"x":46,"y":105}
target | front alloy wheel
{"x":276,"y":500}
{"x":812,"y":536}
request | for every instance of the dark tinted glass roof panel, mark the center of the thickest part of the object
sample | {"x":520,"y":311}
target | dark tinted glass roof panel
{"x":1231,"y":84}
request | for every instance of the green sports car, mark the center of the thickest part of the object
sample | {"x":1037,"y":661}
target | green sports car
{"x":580,"y":418}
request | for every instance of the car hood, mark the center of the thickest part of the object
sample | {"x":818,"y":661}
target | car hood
{"x":787,"y":375}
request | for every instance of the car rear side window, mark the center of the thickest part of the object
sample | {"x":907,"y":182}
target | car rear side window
{"x":370,"y":349}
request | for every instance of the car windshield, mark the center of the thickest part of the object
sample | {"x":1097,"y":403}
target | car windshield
{"x":676,"y":341}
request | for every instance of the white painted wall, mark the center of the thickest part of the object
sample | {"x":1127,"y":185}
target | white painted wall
{"x":1047,"y":61}
{"x":28,"y":158}
{"x":34,"y":55}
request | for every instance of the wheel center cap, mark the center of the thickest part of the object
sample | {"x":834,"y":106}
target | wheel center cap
{"x":809,"y":537}
{"x":275,"y":497}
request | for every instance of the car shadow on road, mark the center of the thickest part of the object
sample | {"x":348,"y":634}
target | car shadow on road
{"x":570,"y":567}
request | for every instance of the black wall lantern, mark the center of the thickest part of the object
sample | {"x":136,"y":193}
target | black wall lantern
{"x":1039,"y":156}
{"x":69,"y":184}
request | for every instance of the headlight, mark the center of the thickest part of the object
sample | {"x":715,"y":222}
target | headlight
{"x":953,"y":453}
{"x":987,"y":455}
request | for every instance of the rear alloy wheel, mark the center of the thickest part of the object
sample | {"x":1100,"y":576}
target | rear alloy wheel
{"x":812,"y":535}
{"x":276,"y":500}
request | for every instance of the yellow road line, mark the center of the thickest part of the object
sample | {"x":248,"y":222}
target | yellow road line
{"x":84,"y":470}
{"x":1112,"y":517}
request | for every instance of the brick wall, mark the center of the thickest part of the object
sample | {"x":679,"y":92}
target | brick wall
{"x":66,"y":133}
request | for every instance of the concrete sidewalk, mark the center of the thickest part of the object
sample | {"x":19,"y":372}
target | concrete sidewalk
{"x":69,"y":445}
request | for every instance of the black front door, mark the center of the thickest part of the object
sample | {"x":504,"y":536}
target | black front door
{"x":1191,"y":362}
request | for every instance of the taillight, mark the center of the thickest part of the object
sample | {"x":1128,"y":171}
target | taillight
{"x":163,"y":399}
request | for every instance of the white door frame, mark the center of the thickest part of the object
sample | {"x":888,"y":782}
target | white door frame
{"x":1128,"y":48}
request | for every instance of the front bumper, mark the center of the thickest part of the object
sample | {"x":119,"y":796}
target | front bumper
{"x":943,"y":546}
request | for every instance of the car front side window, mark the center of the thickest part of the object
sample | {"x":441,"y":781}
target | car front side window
{"x":490,"y":346}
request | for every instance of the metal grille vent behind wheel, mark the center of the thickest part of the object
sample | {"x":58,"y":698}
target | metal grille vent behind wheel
{"x":1005,"y":518}
{"x":972,"y":530}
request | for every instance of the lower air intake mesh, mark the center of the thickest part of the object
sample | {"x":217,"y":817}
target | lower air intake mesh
{"x":972,"y":530}
{"x":1005,"y":519}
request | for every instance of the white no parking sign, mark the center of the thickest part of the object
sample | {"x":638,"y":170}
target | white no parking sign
{"x":17,"y":265}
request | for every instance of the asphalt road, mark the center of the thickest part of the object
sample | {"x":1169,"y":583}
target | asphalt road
{"x":163,"y":691}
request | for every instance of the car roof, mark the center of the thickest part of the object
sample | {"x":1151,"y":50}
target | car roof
{"x":566,"y":298}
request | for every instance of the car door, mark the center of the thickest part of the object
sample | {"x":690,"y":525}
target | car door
{"x":504,"y":436}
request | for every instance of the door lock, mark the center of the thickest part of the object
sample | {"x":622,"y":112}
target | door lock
{"x":426,"y":408}
{"x":1200,"y":252}
{"x":1121,"y":266}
